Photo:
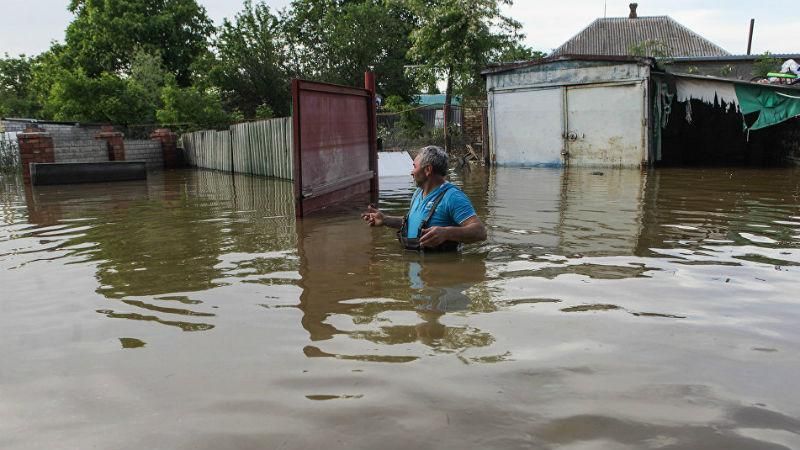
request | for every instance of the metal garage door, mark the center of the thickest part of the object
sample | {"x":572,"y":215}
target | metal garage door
{"x":526,"y":127}
{"x":606,"y":125}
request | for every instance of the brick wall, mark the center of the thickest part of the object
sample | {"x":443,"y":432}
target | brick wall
{"x":145,"y":150}
{"x":35,"y":146}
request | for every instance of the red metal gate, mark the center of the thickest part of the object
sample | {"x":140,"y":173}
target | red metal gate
{"x":335,"y":146}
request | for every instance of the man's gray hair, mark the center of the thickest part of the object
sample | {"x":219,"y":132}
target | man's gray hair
{"x":436,"y":157}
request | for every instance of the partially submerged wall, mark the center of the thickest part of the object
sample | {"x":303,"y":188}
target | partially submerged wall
{"x":76,"y":143}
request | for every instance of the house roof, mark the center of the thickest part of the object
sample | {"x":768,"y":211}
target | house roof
{"x":616,"y":36}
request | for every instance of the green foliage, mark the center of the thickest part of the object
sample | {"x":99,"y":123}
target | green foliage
{"x":16,"y":97}
{"x":251,"y":68}
{"x":457,"y":38}
{"x":516,"y":51}
{"x":106,"y":98}
{"x":726,"y":70}
{"x":764,"y":64}
{"x":651,"y":47}
{"x":142,"y":61}
{"x":104,"y":35}
{"x":264,"y":111}
{"x":149,"y":76}
{"x":337,"y":41}
{"x":410,"y":122}
{"x":190,"y":105}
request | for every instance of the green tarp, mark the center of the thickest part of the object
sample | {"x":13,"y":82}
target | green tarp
{"x":774,"y":105}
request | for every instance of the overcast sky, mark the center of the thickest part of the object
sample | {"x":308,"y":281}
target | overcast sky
{"x":28,"y":26}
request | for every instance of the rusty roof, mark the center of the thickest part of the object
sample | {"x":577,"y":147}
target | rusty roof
{"x":616,"y":35}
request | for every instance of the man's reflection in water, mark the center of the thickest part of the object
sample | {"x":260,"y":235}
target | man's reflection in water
{"x":355,"y":288}
{"x":438,"y":284}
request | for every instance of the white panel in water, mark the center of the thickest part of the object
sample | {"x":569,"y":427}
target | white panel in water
{"x":394,"y":164}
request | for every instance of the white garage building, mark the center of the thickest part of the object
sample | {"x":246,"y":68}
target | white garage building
{"x":576,"y":110}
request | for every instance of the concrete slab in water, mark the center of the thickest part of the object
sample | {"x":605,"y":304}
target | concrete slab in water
{"x":72,"y":173}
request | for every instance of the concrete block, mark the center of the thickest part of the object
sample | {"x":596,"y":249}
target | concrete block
{"x":87,"y":172}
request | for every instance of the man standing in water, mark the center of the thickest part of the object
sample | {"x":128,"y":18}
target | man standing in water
{"x":441,"y":217}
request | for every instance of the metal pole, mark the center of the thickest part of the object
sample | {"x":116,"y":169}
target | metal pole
{"x":369,"y":85}
{"x":750,"y":37}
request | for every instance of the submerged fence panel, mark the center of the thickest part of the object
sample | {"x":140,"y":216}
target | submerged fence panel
{"x":263,"y":147}
{"x":258,"y":148}
{"x":208,"y":149}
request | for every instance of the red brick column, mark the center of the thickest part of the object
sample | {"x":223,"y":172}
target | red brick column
{"x":169,"y":146}
{"x":115,"y":142}
{"x":35,"y":146}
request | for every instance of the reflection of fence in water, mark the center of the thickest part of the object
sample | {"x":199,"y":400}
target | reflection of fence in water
{"x":12,"y":197}
{"x":268,"y":204}
{"x":9,"y":152}
{"x":259,"y":148}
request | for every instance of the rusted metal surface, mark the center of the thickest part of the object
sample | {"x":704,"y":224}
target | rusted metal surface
{"x":335,"y":148}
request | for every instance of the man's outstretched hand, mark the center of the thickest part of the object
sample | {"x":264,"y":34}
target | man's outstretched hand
{"x":373,"y":216}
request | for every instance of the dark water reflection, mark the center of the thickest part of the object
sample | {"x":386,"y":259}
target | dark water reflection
{"x":612,"y":309}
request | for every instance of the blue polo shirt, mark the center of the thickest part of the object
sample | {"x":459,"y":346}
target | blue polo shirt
{"x":453,"y":209}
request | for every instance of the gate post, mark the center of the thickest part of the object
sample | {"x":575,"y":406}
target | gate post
{"x":169,"y":147}
{"x":35,"y":146}
{"x":369,"y":84}
{"x":114,"y":141}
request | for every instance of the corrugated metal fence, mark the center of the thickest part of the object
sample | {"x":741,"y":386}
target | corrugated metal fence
{"x":258,"y":148}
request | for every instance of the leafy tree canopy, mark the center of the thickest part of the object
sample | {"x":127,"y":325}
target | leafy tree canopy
{"x":458,"y":38}
{"x":104,"y":34}
{"x":252,"y":67}
{"x":190,"y":105}
{"x":16,"y":97}
{"x":338,"y":40}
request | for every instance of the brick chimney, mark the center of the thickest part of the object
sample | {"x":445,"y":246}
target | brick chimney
{"x":633,"y":15}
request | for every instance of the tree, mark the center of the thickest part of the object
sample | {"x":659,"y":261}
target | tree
{"x":106,"y":98}
{"x":517,"y":52}
{"x":191,"y":106}
{"x":456,"y":40}
{"x":252,"y":69}
{"x":338,"y":40}
{"x":16,"y":97}
{"x":764,"y":64}
{"x":104,"y":34}
{"x":149,"y":76}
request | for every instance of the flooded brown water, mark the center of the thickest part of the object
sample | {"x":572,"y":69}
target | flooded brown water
{"x":610,"y":310}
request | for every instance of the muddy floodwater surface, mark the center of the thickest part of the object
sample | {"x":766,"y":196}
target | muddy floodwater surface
{"x":619,"y":309}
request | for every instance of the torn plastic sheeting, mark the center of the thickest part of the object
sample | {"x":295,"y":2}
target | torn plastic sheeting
{"x":706,"y":91}
{"x":773,"y":105}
